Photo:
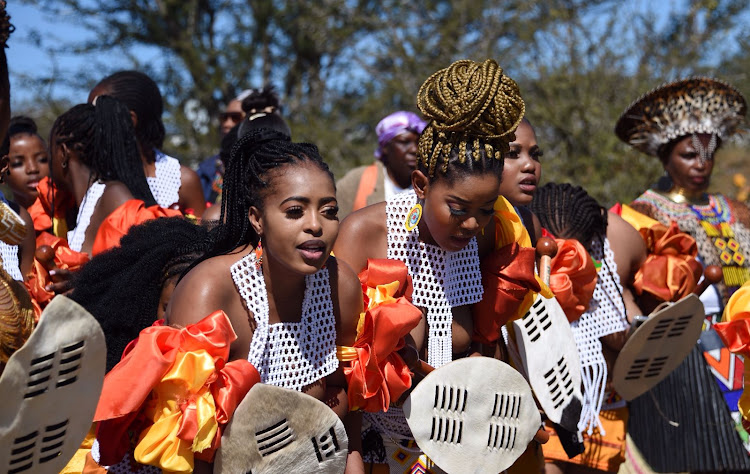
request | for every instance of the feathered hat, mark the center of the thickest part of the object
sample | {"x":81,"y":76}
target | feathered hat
{"x":697,"y":105}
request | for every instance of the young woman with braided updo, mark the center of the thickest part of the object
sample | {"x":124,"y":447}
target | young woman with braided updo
{"x":438,"y":228}
{"x":173,"y":185}
{"x":569,"y":212}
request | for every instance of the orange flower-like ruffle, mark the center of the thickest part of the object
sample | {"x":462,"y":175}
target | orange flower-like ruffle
{"x":50,"y":197}
{"x":174,"y":391}
{"x":671,"y":270}
{"x":117,"y":224}
{"x":376,"y":374}
{"x":572,"y":277}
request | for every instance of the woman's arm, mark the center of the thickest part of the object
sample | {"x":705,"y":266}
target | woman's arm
{"x":191,"y":192}
{"x":26,"y":248}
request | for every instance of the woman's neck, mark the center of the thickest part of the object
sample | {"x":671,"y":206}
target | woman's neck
{"x":684,"y":196}
{"x":81,"y":181}
{"x":285,"y":288}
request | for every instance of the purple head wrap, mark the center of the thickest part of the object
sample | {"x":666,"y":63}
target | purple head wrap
{"x":396,"y":124}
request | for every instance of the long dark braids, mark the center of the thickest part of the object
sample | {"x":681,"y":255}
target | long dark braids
{"x":121,"y":287}
{"x":141,"y":95}
{"x":103,"y":138}
{"x":246,"y":183}
{"x":568,"y":211}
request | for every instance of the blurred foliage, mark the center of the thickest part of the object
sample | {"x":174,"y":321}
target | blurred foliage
{"x":341,"y":65}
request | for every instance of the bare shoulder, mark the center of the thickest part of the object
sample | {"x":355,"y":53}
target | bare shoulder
{"x":115,"y":195}
{"x":206,"y":288}
{"x":626,"y":243}
{"x":346,"y":293}
{"x":362,"y":235}
{"x":188,"y":176}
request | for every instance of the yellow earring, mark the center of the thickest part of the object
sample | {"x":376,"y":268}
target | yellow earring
{"x":412,"y":219}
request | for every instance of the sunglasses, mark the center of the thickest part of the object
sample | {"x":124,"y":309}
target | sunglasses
{"x":235,"y":117}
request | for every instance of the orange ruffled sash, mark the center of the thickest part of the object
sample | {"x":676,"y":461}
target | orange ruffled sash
{"x":41,"y":210}
{"x":572,"y":277}
{"x":376,"y":374}
{"x":173,"y":392}
{"x":735,"y":333}
{"x":117,"y":224}
{"x":508,"y":276}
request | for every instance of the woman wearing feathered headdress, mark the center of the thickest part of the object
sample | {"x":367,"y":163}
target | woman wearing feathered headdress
{"x":683,"y":124}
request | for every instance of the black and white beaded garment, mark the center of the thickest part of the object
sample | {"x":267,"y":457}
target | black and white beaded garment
{"x":289,"y":355}
{"x":606,"y":315}
{"x":85,"y":211}
{"x":165,"y":186}
{"x":126,"y":466}
{"x":442,"y":280}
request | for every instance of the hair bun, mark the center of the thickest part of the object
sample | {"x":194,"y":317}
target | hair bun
{"x":21,"y":124}
{"x":265,"y":99}
{"x":472,"y":98}
{"x":255,"y":139}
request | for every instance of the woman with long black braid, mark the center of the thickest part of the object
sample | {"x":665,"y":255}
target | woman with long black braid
{"x":172,"y":184}
{"x":569,"y":212}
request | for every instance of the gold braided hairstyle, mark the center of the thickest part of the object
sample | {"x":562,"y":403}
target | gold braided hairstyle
{"x":472,"y":107}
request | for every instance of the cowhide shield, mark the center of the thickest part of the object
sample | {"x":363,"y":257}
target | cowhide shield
{"x":49,"y":390}
{"x":550,"y":359}
{"x":658,"y":346}
{"x":277,"y":430}
{"x":473,"y":415}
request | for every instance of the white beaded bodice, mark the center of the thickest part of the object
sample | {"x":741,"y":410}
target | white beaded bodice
{"x":289,"y":355}
{"x":606,"y":315}
{"x":85,"y":211}
{"x":165,"y":186}
{"x":442,"y":280}
{"x":9,"y":254}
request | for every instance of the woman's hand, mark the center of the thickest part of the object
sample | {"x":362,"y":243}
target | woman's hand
{"x":62,"y":281}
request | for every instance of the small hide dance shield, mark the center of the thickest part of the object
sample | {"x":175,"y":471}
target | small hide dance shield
{"x":550,"y":359}
{"x":50,"y":389}
{"x":277,"y":430}
{"x":12,"y":227}
{"x":473,"y":415}
{"x":656,"y":348}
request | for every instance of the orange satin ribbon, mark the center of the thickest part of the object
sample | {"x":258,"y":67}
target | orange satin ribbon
{"x":735,"y":333}
{"x":39,"y":277}
{"x":510,"y":286}
{"x":117,"y":224}
{"x":376,"y":374}
{"x":572,"y":277}
{"x":174,"y":391}
{"x":41,"y":209}
{"x":671,"y":270}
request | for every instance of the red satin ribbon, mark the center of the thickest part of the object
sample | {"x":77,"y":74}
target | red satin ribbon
{"x":41,"y":210}
{"x":507,"y":277}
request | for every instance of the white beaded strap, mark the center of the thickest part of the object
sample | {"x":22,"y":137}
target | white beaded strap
{"x":165,"y":186}
{"x":289,"y":355}
{"x":442,"y":280}
{"x":90,"y":200}
{"x":9,"y":254}
{"x":606,"y":315}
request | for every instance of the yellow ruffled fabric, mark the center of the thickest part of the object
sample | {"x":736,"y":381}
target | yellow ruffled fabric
{"x":182,"y":391}
{"x":737,"y":309}
{"x":636,"y":219}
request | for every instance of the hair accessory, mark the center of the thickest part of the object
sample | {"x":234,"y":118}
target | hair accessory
{"x":705,"y":153}
{"x":686,"y":107}
{"x":413,"y":217}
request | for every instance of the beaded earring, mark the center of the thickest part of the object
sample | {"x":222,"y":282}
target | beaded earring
{"x":413,"y":217}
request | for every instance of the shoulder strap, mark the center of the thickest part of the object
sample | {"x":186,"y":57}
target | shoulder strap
{"x":366,"y":186}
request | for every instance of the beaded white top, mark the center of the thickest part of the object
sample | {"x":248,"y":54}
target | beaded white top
{"x":442,"y":280}
{"x":606,"y":315}
{"x":85,"y":211}
{"x":9,"y":254}
{"x":289,"y":355}
{"x":165,"y":186}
